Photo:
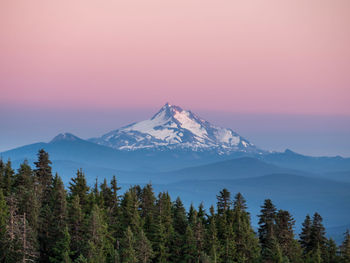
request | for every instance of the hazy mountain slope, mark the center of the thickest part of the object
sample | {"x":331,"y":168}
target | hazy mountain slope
{"x":244,"y":167}
{"x":298,"y":194}
{"x":294,"y":160}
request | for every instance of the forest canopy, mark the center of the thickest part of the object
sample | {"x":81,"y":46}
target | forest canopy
{"x":42,"y":221}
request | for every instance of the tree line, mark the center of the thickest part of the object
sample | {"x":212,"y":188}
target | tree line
{"x":41,"y":221}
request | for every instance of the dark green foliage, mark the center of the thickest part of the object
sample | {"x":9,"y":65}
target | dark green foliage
{"x":78,"y":187}
{"x":345,"y":248}
{"x":270,"y":248}
{"x":247,"y":245}
{"x":43,"y":176}
{"x":41,"y":222}
{"x":305,"y":235}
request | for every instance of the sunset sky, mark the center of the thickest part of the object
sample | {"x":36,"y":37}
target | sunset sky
{"x":79,"y":64}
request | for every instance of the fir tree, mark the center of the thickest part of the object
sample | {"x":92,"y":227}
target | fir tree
{"x":99,"y":244}
{"x":59,"y":235}
{"x":8,"y":178}
{"x":212,"y":242}
{"x":224,"y":201}
{"x":267,"y":236}
{"x":284,"y":232}
{"x":78,"y":187}
{"x":76,"y":229}
{"x":247,"y":245}
{"x":180,"y":224}
{"x":305,"y":235}
{"x":143,"y":247}
{"x":4,"y":217}
{"x":43,"y":176}
{"x":190,"y":247}
{"x":128,"y":247}
{"x":345,"y":248}
{"x":317,"y":236}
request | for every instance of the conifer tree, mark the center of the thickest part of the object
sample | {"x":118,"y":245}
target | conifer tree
{"x":59,"y":235}
{"x":148,"y":211}
{"x":190,"y":252}
{"x":107,"y":195}
{"x":76,"y":229}
{"x":99,"y":244}
{"x":224,"y":201}
{"x":284,"y":233}
{"x":4,"y":217}
{"x":79,"y":187}
{"x":8,"y":178}
{"x":115,"y":189}
{"x":305,"y":235}
{"x":143,"y":247}
{"x":212,"y":242}
{"x":270,"y":250}
{"x":345,"y":248}
{"x":165,"y":219}
{"x":317,"y":236}
{"x":331,"y":252}
{"x":180,"y":225}
{"x":43,"y":176}
{"x":2,"y":170}
{"x":128,"y":247}
{"x":130,"y":211}
{"x":247,"y":245}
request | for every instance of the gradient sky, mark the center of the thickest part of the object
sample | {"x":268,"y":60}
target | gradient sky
{"x":244,"y":58}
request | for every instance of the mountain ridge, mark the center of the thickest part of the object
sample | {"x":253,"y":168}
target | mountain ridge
{"x":174,"y":128}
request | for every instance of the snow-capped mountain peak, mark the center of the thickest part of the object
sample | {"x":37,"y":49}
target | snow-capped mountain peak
{"x":65,"y":137}
{"x":175,"y":128}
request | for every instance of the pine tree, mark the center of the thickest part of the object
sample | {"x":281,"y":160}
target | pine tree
{"x":43,"y":176}
{"x":78,"y":187}
{"x":331,"y":252}
{"x":130,"y":211}
{"x":190,"y":252}
{"x":148,"y":211}
{"x":2,"y":171}
{"x":224,"y":201}
{"x":180,"y":224}
{"x":165,"y":219}
{"x":317,"y":236}
{"x":270,"y":250}
{"x":128,"y":247}
{"x":247,"y":245}
{"x":107,"y":195}
{"x":284,"y":232}
{"x":59,"y":235}
{"x":143,"y":247}
{"x":305,"y":235}
{"x":99,"y":244}
{"x":8,"y":178}
{"x":4,"y":217}
{"x":345,"y":248}
{"x":212,"y":242}
{"x":76,"y":229}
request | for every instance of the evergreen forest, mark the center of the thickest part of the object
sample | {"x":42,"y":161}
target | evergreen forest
{"x":41,"y":220}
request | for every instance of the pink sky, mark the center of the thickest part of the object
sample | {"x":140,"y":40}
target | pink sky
{"x":262,"y":56}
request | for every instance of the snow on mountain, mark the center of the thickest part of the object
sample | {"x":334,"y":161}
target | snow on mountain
{"x":175,"y":128}
{"x":65,"y":137}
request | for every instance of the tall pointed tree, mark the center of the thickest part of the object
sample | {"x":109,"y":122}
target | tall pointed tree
{"x":78,"y":187}
{"x":345,"y":247}
{"x":43,"y":176}
{"x":59,"y":236}
{"x":270,"y":250}
{"x":247,"y":245}
{"x":305,"y":235}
